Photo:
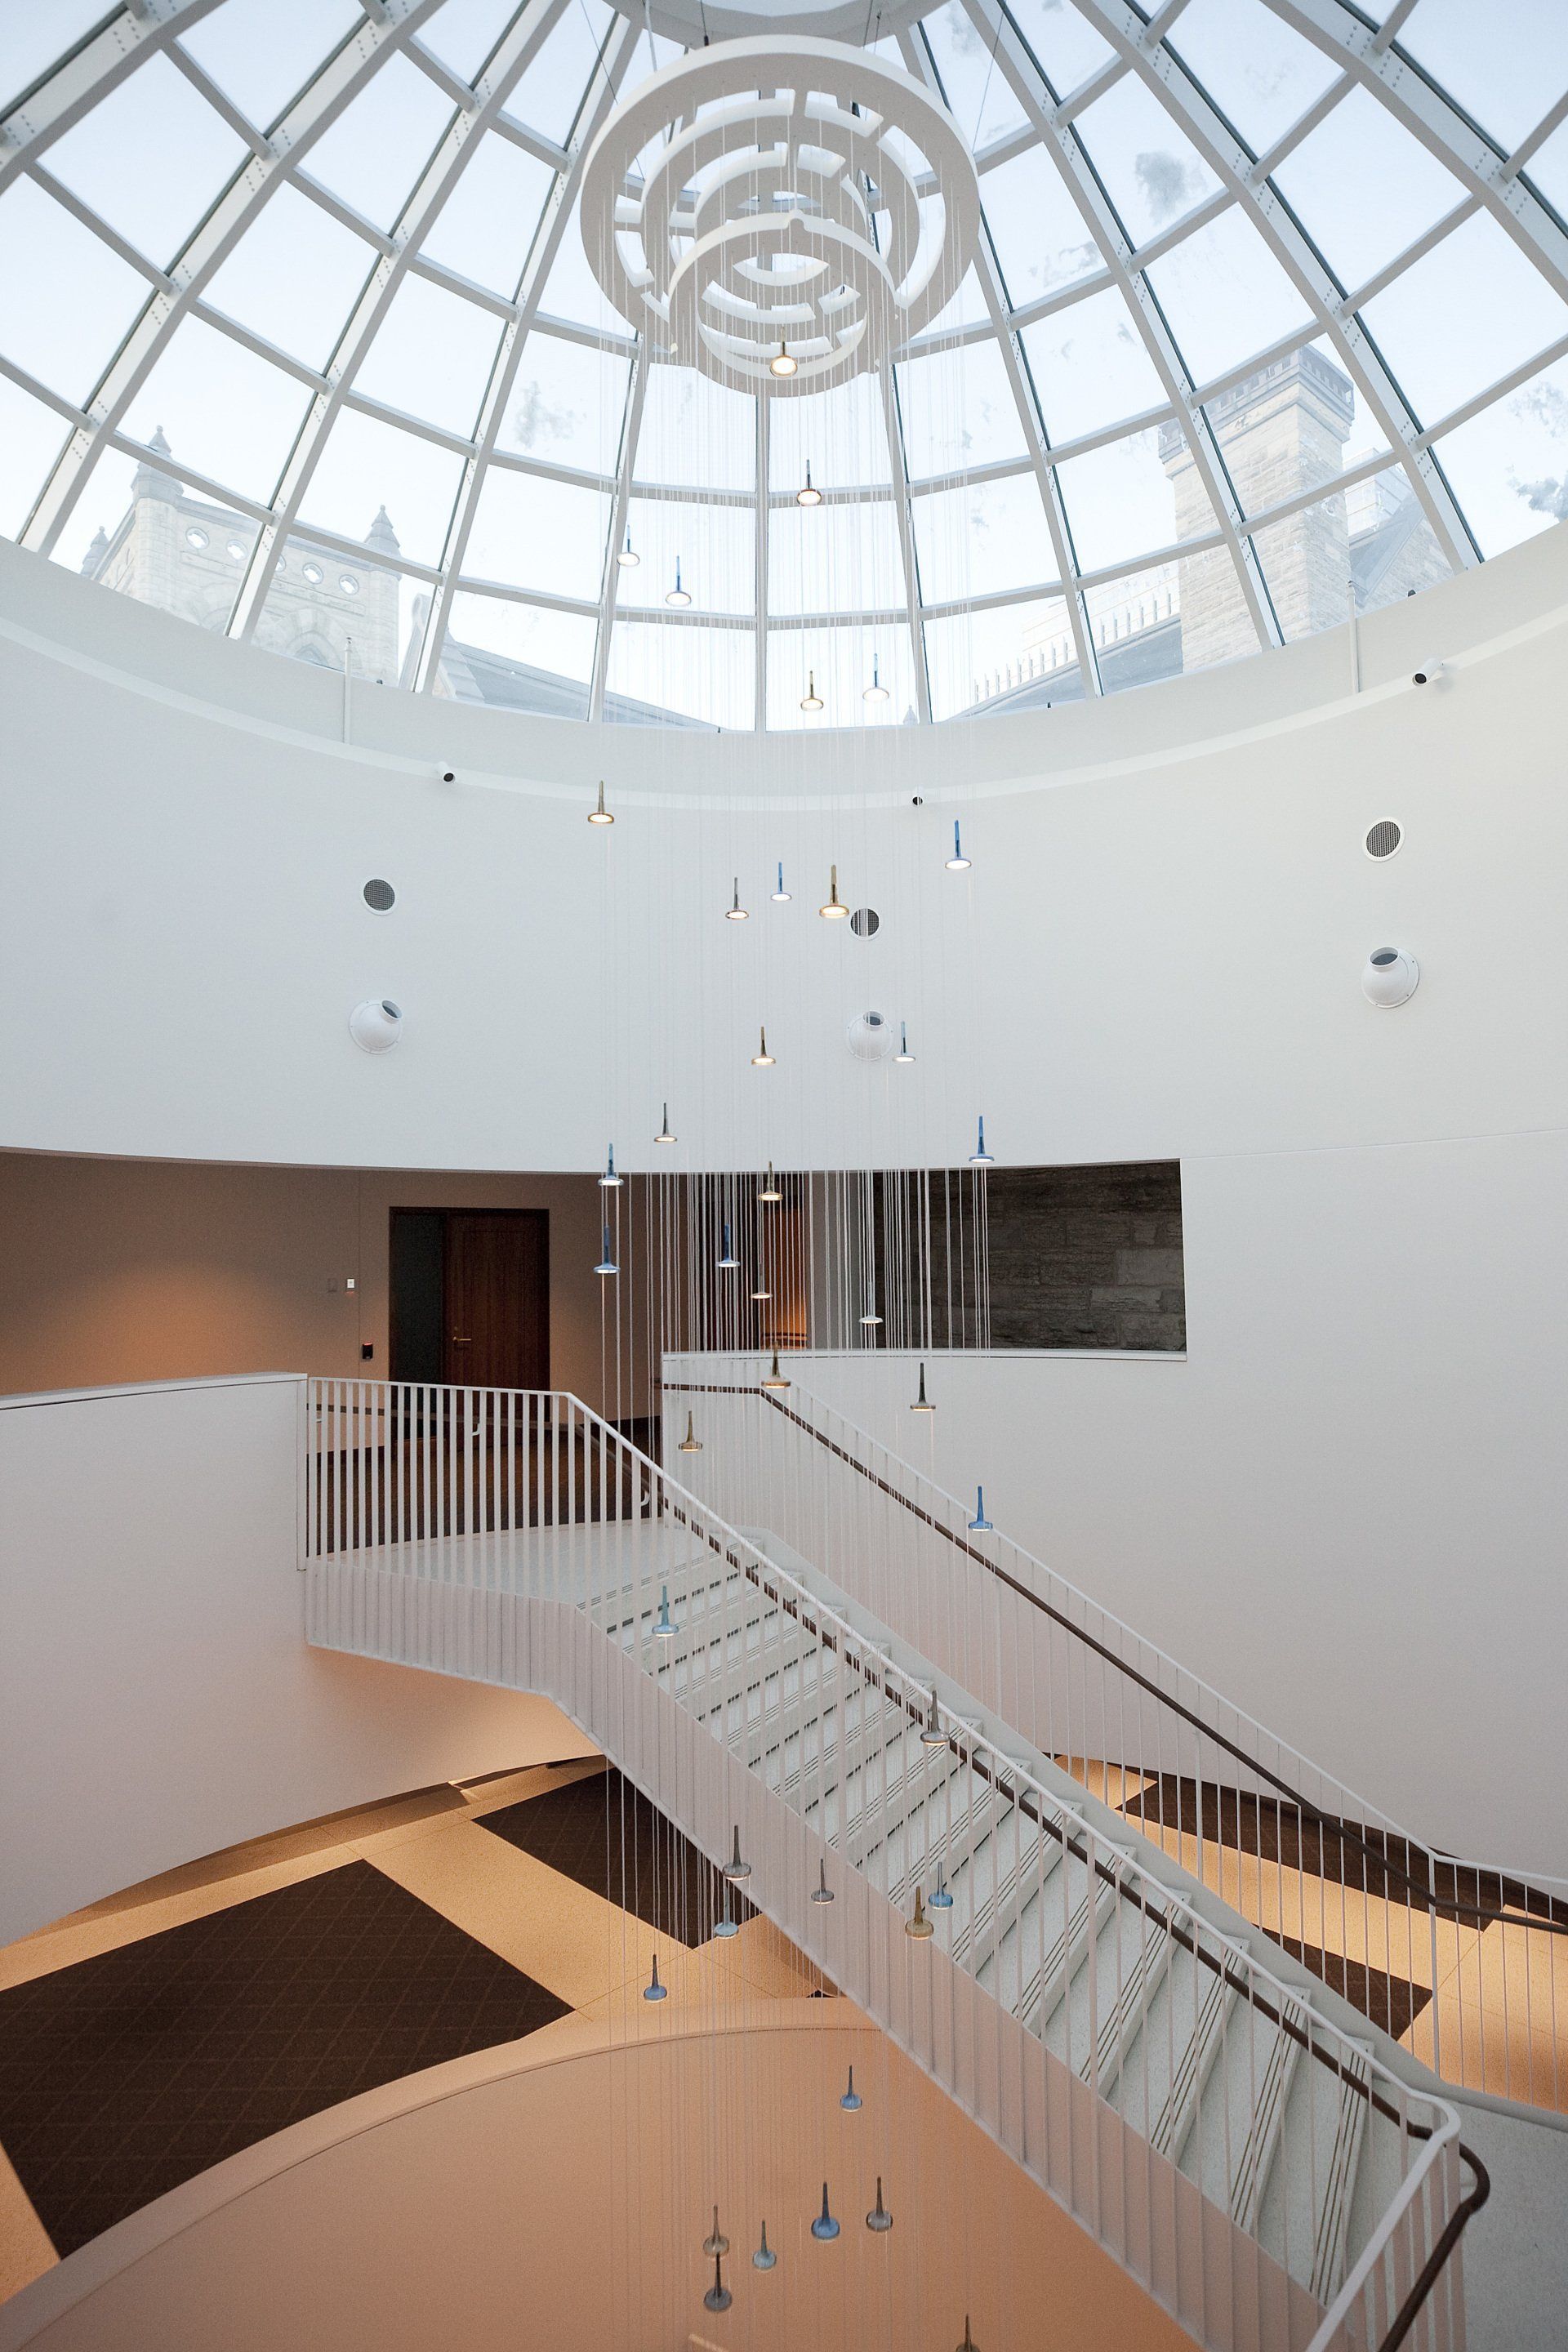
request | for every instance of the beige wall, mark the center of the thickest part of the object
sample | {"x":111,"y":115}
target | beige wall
{"x":139,"y":1270}
{"x":558,"y":2191}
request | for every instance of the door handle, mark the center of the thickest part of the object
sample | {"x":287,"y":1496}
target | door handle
{"x":460,"y":1343}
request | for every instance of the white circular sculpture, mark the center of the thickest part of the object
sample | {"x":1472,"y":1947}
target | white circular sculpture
{"x":772,"y":202}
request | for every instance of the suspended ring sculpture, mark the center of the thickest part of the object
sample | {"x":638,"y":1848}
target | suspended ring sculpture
{"x":780,"y":198}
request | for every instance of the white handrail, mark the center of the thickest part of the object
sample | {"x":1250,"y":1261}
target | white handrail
{"x":1097,"y":1693}
{"x":358,"y":1518}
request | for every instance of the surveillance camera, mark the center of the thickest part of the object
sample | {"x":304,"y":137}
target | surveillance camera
{"x":448,"y":775}
{"x":1426,"y":672}
{"x":1390,"y":977}
{"x":869,"y":1036}
{"x":917,"y":802}
{"x":376,"y":1025}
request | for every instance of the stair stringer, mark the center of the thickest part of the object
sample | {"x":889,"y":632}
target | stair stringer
{"x":1179,"y":2245}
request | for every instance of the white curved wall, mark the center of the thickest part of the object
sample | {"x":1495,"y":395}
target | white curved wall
{"x":1353,"y":1523}
{"x":1158,"y":951}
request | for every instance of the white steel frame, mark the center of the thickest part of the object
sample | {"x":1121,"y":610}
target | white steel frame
{"x":1490,"y":180}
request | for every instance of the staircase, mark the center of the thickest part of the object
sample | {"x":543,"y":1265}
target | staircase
{"x":1457,"y":1961}
{"x":1261,"y":2172}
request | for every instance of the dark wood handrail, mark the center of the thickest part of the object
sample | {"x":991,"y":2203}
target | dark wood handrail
{"x":1348,"y":1832}
{"x":715,"y":1538}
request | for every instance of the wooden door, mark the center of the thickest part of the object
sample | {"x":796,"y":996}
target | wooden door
{"x":497,"y":1299}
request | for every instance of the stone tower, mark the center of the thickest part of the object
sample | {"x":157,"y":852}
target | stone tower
{"x":1280,"y":432}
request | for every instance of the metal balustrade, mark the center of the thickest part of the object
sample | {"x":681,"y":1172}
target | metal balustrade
{"x":1465,"y":1963}
{"x":1262,"y":2173}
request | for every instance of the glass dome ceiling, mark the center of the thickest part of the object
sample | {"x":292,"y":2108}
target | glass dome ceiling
{"x":297,"y":339}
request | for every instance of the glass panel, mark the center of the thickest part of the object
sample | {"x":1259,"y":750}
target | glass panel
{"x":368,"y":467}
{"x":1261,"y":74}
{"x":571,"y":291}
{"x":967,"y":308}
{"x":1364,"y":188}
{"x":263,"y":76}
{"x":1139,"y":641}
{"x":31,"y":438}
{"x":1508,"y":465}
{"x":1224,"y":295}
{"x":707,"y":675}
{"x":977,"y":91}
{"x":1064,"y":42}
{"x":987,"y":537}
{"x":696,"y":431}
{"x":958,"y":411}
{"x":842,"y":434}
{"x":155,"y":539}
{"x":487,"y":225}
{"x":294,"y":276}
{"x":223,"y":412}
{"x":715,"y":547}
{"x":1506,"y":64}
{"x":33,"y":39}
{"x":1473,"y":309}
{"x":1041,"y":238}
{"x":568,"y":405}
{"x":378,"y":148}
{"x":1009,"y":652}
{"x":518,"y":656}
{"x":1152,"y":170}
{"x":1286,"y":428}
{"x":463,"y":33}
{"x":532,"y":533}
{"x":841,"y":664}
{"x":1091,"y":366}
{"x":95,"y":523}
{"x":432,"y":356}
{"x":835,"y":559}
{"x":1375,"y":532}
{"x":312,"y":613}
{"x":1547,"y":170}
{"x":551,"y":90}
{"x":66,"y":301}
{"x":1133,"y":496}
{"x":150,"y":159}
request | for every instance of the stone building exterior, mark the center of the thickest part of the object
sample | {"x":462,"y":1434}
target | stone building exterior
{"x":1282,"y":431}
{"x":188,"y":556}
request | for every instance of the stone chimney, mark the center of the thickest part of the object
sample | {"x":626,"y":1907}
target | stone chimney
{"x":1280,"y":432}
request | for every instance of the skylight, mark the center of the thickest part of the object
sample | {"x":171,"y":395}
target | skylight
{"x":1270,"y":315}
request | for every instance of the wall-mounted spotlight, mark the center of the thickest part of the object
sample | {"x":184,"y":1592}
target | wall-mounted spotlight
{"x":376,"y":1025}
{"x":1391,"y":978}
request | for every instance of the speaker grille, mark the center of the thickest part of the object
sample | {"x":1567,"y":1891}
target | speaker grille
{"x":379,"y":897}
{"x":1383,"y":839}
{"x":865,"y":922}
